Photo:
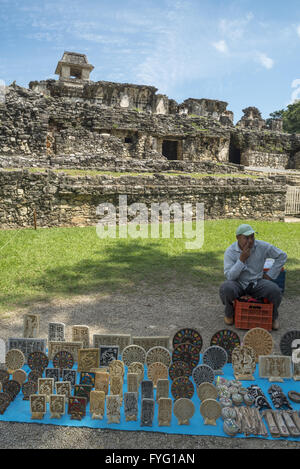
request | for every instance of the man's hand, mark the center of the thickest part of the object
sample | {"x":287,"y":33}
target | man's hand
{"x":266,"y":276}
{"x":245,"y":253}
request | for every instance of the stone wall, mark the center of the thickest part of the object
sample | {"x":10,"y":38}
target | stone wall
{"x":265,"y":159}
{"x":62,"y":200}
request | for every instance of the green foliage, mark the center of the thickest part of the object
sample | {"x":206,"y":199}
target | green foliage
{"x":290,"y":117}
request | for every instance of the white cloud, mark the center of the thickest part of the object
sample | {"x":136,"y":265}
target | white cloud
{"x":265,"y":61}
{"x":298,"y":30}
{"x":221,"y":46}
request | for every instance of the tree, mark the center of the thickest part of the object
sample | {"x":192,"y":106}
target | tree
{"x":290,"y":117}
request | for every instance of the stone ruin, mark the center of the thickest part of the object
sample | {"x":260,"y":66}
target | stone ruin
{"x":76,"y":123}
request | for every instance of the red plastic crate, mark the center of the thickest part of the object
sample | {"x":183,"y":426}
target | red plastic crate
{"x":248,"y":315}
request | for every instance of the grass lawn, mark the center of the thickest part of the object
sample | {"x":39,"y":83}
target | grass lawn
{"x":61,"y":262}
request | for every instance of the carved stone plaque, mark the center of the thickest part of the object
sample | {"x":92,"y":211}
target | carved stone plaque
{"x":88,"y":358}
{"x":63,"y":387}
{"x":275,"y":367}
{"x":131,"y":406}
{"x":158,"y":355}
{"x":113,"y":409}
{"x":210,"y":410}
{"x":14,"y":360}
{"x":12,"y":388}
{"x":207,"y":391}
{"x":53,"y":373}
{"x":69,"y":375}
{"x":57,"y":405}
{"x":56,"y":332}
{"x":87,"y":377}
{"x":71,"y":347}
{"x":116,"y":367}
{"x":147,"y":389}
{"x":133,"y":353}
{"x":77,"y":407}
{"x":157,"y":371}
{"x":81,"y":334}
{"x":38,"y":406}
{"x":147,"y":412}
{"x":162,"y":388}
{"x":121,"y":340}
{"x":116,"y":386}
{"x":108,"y":353}
{"x":243,"y":362}
{"x":164,"y":411}
{"x":4,"y":376}
{"x":46,"y":386}
{"x":27,"y":345}
{"x":287,"y":340}
{"x":183,"y":410}
{"x":132,"y":382}
{"x":5,"y":400}
{"x":82,"y":390}
{"x":28,"y":388}
{"x":20,"y":376}
{"x":97,"y":404}
{"x":31,"y":325}
{"x":138,"y":368}
{"x":149,"y":342}
{"x":102,"y":382}
{"x":260,"y":340}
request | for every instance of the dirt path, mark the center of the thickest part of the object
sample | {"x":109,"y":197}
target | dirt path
{"x":147,"y":311}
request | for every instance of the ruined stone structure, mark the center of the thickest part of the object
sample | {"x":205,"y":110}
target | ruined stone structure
{"x":74,"y":122}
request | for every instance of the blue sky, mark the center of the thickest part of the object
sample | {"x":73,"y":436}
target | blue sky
{"x":243,"y":52}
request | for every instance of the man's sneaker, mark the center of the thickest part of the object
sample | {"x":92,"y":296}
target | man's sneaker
{"x":275,"y":325}
{"x":228,"y":321}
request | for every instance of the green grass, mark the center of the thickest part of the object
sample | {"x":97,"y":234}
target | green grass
{"x":61,"y":262}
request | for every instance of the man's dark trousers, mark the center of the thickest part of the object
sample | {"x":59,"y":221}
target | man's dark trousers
{"x":231,"y":290}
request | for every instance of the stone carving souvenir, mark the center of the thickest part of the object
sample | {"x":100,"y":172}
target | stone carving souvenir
{"x":290,"y":424}
{"x":76,"y":407}
{"x":97,"y":404}
{"x":116,"y":386}
{"x":132,"y":382}
{"x":183,"y":410}
{"x":131,"y":406}
{"x":116,"y":367}
{"x":210,"y":410}
{"x":147,"y":389}
{"x":12,"y":388}
{"x":244,"y":362}
{"x":248,"y":399}
{"x":4,"y":376}
{"x":179,"y":368}
{"x":69,"y":375}
{"x":296,"y":371}
{"x":237,"y":399}
{"x":88,"y":358}
{"x":46,"y":386}
{"x":203,"y":374}
{"x":63,"y":387}
{"x":157,"y":371}
{"x":162,"y":388}
{"x":121,"y":340}
{"x":133,"y":353}
{"x":158,"y":355}
{"x":260,"y":399}
{"x":113,"y":409}
{"x":260,"y":340}
{"x":38,"y":406}
{"x":138,"y":368}
{"x":63,"y":359}
{"x":182,"y":387}
{"x":287,"y":342}
{"x":230,"y":427}
{"x":57,"y":406}
{"x":186,"y":353}
{"x":207,"y":391}
{"x":228,"y":413}
{"x":296,"y":418}
{"x":20,"y":376}
{"x":147,"y":412}
{"x":81,"y":334}
{"x":82,"y":390}
{"x":268,"y":414}
{"x":188,"y":336}
{"x":5,"y":400}
{"x":71,"y":347}
{"x":37,"y":360}
{"x":108,"y":353}
{"x":294,"y":396}
{"x":28,"y":388}
{"x":278,"y":397}
{"x":14,"y":360}
{"x":149,"y":342}
{"x":27,"y":345}
{"x":56,"y":332}
{"x":275,"y":367}
{"x":102,"y":382}
{"x":215,"y":357}
{"x":53,"y":373}
{"x":87,"y":377}
{"x":34,"y":375}
{"x":225,"y":402}
{"x":31,"y":325}
{"x":164,"y":411}
{"x":281,"y":424}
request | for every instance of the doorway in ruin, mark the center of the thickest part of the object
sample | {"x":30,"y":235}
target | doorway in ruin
{"x":170,"y":149}
{"x":234,"y":153}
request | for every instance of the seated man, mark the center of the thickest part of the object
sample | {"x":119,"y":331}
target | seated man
{"x":244,"y":261}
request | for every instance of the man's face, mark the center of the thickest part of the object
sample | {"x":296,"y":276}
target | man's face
{"x":245,"y":241}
